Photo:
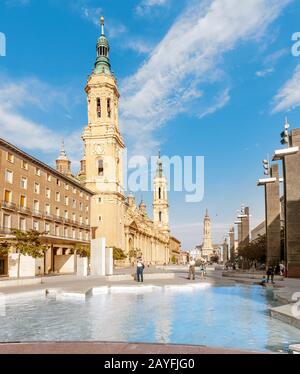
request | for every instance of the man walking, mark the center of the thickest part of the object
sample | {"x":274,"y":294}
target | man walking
{"x":140,"y":270}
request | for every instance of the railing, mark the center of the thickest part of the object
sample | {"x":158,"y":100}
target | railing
{"x":37,"y":213}
{"x":58,"y":218}
{"x":48,"y":216}
{"x":23,"y":209}
{"x":8,"y":205}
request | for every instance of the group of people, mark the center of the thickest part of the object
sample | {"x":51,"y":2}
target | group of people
{"x":271,"y":272}
{"x":192,"y":269}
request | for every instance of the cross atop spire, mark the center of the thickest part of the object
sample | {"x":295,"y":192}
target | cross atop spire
{"x":102,"y":25}
{"x":62,"y":155}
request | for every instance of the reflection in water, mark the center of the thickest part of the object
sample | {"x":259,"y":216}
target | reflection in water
{"x":234,"y":317}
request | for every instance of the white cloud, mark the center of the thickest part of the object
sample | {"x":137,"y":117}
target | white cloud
{"x":190,"y":52}
{"x":221,"y":100}
{"x":18,"y":97}
{"x":265,"y":72}
{"x":288,"y":97}
{"x":145,"y":6}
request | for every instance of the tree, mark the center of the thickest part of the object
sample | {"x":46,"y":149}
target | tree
{"x":215,"y":258}
{"x":254,"y":251}
{"x":4,"y":248}
{"x":118,"y":254}
{"x":28,"y":243}
{"x":83,"y":250}
{"x":173,"y":259}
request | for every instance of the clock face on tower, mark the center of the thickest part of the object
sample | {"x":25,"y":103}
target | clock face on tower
{"x":98,"y":149}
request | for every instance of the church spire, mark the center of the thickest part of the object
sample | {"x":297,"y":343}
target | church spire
{"x":63,"y":164}
{"x":159,"y":169}
{"x":102,"y":64}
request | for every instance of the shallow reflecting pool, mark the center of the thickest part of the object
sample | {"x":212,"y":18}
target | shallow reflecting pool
{"x":234,"y":317}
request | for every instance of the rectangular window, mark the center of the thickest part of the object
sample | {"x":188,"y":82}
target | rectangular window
{"x":47,"y":227}
{"x":86,"y":221}
{"x":66,"y":186}
{"x":6,"y":221}
{"x":7,"y":196}
{"x":74,"y":204}
{"x":48,"y":193}
{"x":80,"y":235}
{"x":66,"y":200}
{"x":98,"y":108}
{"x":66,"y":214}
{"x":80,"y":206}
{"x":22,"y":201}
{"x":81,"y":194}
{"x":57,"y":212}
{"x":35,"y":225}
{"x":38,"y":171}
{"x":47,"y":211}
{"x":57,"y":182}
{"x":22,"y":224}
{"x":10,"y":157}
{"x":57,"y":231}
{"x":49,"y":177}
{"x":24,"y":165}
{"x":36,"y":187}
{"x":80,"y":219}
{"x":73,"y":233}
{"x":36,"y":205}
{"x":100,"y":168}
{"x":8,"y":176}
{"x":74,"y":190}
{"x":65,"y":232}
{"x":108,"y":108}
{"x":57,"y":196}
{"x":24,"y":183}
{"x":74,"y":217}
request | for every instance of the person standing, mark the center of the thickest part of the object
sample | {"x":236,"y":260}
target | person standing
{"x":270,"y":274}
{"x":140,"y":270}
{"x":192,"y":265}
{"x":202,"y":270}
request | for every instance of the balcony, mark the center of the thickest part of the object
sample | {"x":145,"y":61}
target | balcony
{"x":48,"y":216}
{"x":24,"y":210}
{"x":37,"y":213}
{"x":5,"y":231}
{"x":8,"y":205}
{"x":58,"y":218}
{"x":68,"y":221}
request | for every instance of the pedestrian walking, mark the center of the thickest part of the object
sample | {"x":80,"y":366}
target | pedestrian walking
{"x":140,"y":270}
{"x":192,"y":265}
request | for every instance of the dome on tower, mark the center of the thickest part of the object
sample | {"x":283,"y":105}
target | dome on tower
{"x":102,"y":64}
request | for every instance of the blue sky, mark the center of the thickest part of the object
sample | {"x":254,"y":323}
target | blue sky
{"x":214,"y":78}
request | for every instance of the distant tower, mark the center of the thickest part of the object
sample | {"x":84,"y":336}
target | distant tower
{"x":63,"y":164}
{"x":160,"y":199}
{"x":207,"y":247}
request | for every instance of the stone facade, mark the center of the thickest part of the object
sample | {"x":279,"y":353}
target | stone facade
{"x":113,"y":215}
{"x":207,"y":246}
{"x":36,"y":196}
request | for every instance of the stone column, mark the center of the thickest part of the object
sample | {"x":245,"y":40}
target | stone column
{"x":225,"y":251}
{"x":291,"y":171}
{"x":272,"y":215}
{"x":231,"y":240}
{"x":245,"y":227}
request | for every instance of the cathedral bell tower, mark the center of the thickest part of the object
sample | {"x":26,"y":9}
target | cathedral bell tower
{"x":104,"y":147}
{"x":160,"y":199}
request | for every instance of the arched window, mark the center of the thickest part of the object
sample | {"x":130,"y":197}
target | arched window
{"x":98,"y":108}
{"x":159,"y":193}
{"x":108,"y":108}
{"x":160,"y":216}
{"x":100,"y":168}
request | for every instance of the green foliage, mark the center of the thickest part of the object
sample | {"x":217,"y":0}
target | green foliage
{"x":118,"y":254}
{"x":4,"y":248}
{"x":29,"y":243}
{"x":255,"y":250}
{"x":173,"y":259}
{"x":134,"y":253}
{"x":215,"y":258}
{"x":83,"y":250}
